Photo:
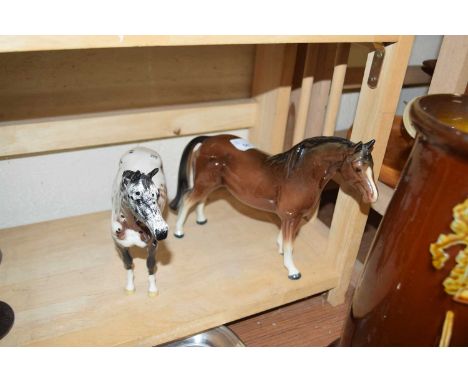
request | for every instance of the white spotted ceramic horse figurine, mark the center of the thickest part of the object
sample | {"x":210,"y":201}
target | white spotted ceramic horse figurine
{"x":288,"y":184}
{"x":138,"y":198}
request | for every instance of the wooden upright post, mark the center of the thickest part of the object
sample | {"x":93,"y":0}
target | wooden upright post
{"x":274,"y":69}
{"x":451,"y":71}
{"x":374,"y":117}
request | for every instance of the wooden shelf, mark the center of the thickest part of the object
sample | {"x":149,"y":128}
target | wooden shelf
{"x":65,"y":281}
{"x":98,"y":129}
{"x":32,"y":43}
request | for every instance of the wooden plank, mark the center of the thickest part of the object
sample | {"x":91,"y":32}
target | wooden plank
{"x":59,"y":83}
{"x":451,"y":71}
{"x":295,"y":97}
{"x":29,"y":43}
{"x":88,"y":130}
{"x":320,"y":90}
{"x":374,"y":118}
{"x":309,"y":322}
{"x":66,"y":286}
{"x":305,"y":93}
{"x":336,"y":88}
{"x":271,"y":88}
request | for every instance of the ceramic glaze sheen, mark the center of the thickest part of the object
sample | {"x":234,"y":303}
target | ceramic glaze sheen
{"x":138,"y":199}
{"x":288,"y":184}
{"x":407,"y":294}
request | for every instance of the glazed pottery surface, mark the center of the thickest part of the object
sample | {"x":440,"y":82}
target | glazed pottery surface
{"x":414,"y":291}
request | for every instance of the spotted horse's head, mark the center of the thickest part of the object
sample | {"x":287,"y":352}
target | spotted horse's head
{"x":141,"y":196}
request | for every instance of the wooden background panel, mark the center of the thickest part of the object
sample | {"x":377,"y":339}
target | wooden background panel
{"x":55,"y":83}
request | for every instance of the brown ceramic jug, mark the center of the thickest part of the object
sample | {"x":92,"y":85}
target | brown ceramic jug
{"x":414,"y":287}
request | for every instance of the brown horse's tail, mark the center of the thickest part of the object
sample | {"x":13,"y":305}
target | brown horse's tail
{"x":183,"y":179}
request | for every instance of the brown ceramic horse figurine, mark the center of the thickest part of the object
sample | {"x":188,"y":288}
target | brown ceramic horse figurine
{"x":288,"y":184}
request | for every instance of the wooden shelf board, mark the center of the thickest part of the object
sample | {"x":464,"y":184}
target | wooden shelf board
{"x":98,"y":129}
{"x":31,"y":43}
{"x":65,"y":281}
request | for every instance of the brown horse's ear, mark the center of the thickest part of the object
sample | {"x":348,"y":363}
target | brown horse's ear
{"x":153,"y":173}
{"x":370,"y":145}
{"x":357,"y":147}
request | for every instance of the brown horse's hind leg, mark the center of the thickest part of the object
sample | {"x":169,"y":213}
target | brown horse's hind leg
{"x":201,"y":219}
{"x":289,"y":228}
{"x":204,"y":184}
{"x":279,"y":242}
{"x":187,"y":203}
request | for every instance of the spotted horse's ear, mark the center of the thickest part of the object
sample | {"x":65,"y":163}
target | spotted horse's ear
{"x":153,"y":173}
{"x":129,"y":176}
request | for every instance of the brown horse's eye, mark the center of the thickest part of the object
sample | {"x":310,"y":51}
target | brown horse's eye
{"x":357,"y":170}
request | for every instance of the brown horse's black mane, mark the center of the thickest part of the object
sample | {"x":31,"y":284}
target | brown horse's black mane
{"x":293,"y":157}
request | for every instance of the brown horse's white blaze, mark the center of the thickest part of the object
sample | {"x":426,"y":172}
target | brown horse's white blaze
{"x":287,"y":184}
{"x":374,"y":194}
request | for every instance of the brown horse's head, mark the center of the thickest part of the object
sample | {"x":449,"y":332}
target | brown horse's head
{"x":357,"y":170}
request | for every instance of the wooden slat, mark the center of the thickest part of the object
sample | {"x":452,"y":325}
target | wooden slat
{"x":65,"y":281}
{"x":271,"y":88}
{"x":29,"y":43}
{"x":295,"y":96}
{"x":305,"y":93}
{"x":320,"y":92}
{"x":67,"y":82}
{"x":374,"y":117}
{"x":451,"y":71}
{"x":336,"y":88}
{"x":53,"y":134}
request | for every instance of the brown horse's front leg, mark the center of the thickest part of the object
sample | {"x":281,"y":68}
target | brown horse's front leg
{"x":289,"y":228}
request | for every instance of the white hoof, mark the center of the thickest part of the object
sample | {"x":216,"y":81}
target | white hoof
{"x":129,"y":291}
{"x":130,"y":288}
{"x":152,"y":289}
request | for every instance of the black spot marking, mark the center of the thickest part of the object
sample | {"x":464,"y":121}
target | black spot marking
{"x":138,"y":192}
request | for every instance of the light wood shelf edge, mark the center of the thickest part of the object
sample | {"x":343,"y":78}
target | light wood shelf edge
{"x":90,"y":130}
{"x":32,"y":43}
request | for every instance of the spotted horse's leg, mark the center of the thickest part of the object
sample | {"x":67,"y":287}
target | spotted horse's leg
{"x":128,"y":264}
{"x":151,"y":265}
